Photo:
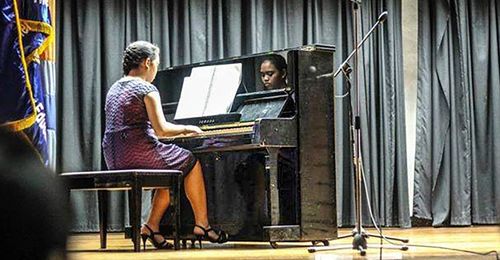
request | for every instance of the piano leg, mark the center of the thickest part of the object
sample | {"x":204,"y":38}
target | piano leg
{"x":276,"y":231}
{"x":273,"y":203}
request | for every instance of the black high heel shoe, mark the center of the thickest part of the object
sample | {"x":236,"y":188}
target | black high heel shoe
{"x":221,"y":235}
{"x":158,"y":245}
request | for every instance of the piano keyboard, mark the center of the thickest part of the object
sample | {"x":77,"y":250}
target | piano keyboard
{"x":227,"y":131}
{"x":217,"y":130}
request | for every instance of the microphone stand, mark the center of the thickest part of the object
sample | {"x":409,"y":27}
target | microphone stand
{"x":359,"y":235}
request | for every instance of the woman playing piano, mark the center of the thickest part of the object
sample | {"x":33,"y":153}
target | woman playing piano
{"x":134,"y":121}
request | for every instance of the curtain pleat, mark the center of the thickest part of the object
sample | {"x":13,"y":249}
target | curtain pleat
{"x":457,"y":170}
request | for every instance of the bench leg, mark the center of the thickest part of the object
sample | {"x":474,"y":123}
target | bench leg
{"x":175,"y":203}
{"x":102,"y":201}
{"x":135,"y":217}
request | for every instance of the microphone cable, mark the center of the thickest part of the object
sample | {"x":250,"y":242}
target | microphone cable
{"x":383,"y":238}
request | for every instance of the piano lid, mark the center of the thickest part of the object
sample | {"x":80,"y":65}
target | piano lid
{"x":309,"y":47}
{"x":170,"y":80}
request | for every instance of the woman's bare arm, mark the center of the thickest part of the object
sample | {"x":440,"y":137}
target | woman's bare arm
{"x":160,"y":125}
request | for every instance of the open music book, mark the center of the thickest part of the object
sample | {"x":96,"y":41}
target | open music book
{"x":209,"y":90}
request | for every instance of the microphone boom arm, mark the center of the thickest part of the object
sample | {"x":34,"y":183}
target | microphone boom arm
{"x":380,"y":20}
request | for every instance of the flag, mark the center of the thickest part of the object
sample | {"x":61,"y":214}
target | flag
{"x":27,"y":86}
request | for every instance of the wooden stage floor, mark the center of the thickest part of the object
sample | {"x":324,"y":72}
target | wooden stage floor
{"x":480,"y":238}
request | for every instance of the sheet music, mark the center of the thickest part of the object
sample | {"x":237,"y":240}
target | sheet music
{"x":185,"y":108}
{"x":210,"y":90}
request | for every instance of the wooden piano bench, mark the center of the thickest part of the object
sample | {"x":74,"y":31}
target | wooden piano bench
{"x":134,"y":181}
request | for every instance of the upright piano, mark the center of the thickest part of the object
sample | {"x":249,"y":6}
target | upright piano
{"x":269,"y":161}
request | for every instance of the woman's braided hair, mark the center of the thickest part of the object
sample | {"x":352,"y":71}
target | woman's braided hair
{"x":137,"y":52}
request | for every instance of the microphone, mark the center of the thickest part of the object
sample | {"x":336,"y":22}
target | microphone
{"x":347,"y":68}
{"x":382,"y":17}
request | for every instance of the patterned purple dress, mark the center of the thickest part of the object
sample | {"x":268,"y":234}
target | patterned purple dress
{"x":129,"y":140}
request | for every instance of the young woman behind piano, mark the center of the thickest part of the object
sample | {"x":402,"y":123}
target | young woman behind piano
{"x":134,"y":120}
{"x":273,"y":72}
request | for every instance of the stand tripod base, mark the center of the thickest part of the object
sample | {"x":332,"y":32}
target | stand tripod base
{"x":367,"y":235}
{"x":362,"y":251}
{"x":359,"y":243}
